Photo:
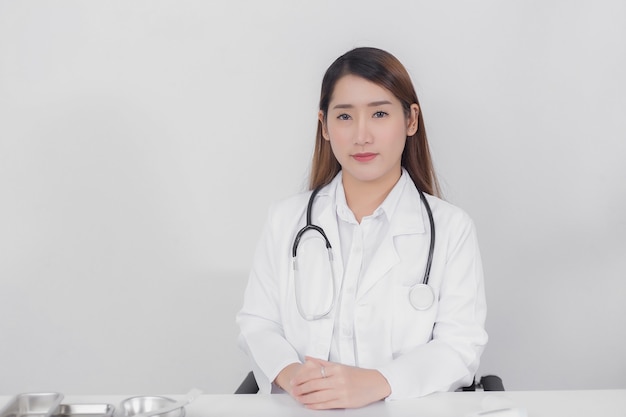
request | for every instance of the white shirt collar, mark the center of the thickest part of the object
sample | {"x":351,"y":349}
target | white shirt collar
{"x":387,"y":207}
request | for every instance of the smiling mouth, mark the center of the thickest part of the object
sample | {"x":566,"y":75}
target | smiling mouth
{"x":364,"y":157}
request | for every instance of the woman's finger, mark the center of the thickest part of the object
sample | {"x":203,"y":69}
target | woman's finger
{"x":312,"y":385}
{"x":310,"y":371}
{"x":317,"y":396}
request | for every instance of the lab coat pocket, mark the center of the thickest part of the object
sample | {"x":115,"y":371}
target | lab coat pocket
{"x":411,"y":327}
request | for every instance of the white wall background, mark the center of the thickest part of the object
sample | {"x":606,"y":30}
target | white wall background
{"x":141,"y":143}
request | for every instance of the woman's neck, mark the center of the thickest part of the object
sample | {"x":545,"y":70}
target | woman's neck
{"x":363,"y":197}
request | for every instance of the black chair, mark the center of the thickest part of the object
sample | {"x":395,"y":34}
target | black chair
{"x":248,"y":385}
{"x":487,"y":383}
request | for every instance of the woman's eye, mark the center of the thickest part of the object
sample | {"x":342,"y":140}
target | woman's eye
{"x":343,"y":117}
{"x":379,"y":114}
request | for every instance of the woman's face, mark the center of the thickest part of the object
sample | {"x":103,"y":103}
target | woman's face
{"x":367,"y":129}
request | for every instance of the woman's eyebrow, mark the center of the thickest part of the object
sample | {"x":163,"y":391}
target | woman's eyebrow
{"x":372,"y":104}
{"x":379,"y":103}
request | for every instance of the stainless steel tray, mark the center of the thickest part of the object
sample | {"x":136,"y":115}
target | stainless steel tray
{"x":32,"y":405}
{"x":84,"y":410}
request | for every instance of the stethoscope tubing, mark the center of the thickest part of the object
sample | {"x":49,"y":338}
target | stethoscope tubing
{"x":431,"y":249}
{"x":309,"y":226}
{"x":416,"y":293}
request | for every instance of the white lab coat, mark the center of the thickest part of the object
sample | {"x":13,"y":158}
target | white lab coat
{"x":418,"y":352}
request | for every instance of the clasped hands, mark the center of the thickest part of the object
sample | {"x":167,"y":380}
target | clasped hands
{"x":319,"y":384}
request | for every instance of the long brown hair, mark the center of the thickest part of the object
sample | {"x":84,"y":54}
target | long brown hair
{"x":382,"y":68}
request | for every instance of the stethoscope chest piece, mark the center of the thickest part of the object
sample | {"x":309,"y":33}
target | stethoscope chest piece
{"x":422,"y":297}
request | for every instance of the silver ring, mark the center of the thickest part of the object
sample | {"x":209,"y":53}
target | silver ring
{"x":323,"y":371}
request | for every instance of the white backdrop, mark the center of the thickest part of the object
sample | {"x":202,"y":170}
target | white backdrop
{"x":141,"y":143}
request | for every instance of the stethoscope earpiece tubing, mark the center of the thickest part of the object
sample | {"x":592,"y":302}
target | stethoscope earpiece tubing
{"x":309,"y":207}
{"x":306,"y":228}
{"x":431,"y":249}
{"x":309,"y":226}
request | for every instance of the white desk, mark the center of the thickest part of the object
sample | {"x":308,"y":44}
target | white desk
{"x":592,"y":403}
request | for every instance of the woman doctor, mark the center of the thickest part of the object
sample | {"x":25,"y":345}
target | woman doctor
{"x":381,"y":296}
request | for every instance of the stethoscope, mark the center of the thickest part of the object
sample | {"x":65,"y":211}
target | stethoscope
{"x":421,"y":296}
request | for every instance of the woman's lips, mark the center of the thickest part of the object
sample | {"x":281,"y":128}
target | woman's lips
{"x":364,"y":157}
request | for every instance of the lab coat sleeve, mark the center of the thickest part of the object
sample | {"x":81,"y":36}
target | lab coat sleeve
{"x":262,"y":336}
{"x":450,"y":360}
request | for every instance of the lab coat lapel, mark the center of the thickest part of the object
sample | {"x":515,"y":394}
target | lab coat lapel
{"x":385,"y":258}
{"x":407,"y":219}
{"x":327,"y":219}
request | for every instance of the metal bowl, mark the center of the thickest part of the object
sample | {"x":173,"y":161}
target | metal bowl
{"x":142,"y":404}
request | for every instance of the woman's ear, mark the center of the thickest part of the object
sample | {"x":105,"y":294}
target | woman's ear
{"x":322,"y":120}
{"x":413,"y":123}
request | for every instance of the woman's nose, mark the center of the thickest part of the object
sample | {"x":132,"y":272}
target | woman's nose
{"x":363,"y":135}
